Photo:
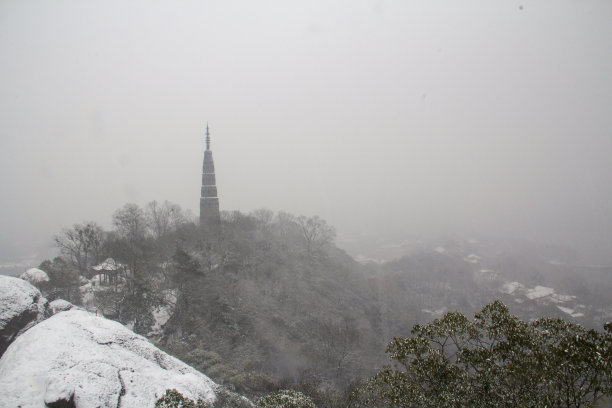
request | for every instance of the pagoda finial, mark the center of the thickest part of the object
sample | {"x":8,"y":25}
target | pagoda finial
{"x":207,"y":137}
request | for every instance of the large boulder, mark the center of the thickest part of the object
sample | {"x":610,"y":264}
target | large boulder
{"x":21,"y":307}
{"x":35,"y":276}
{"x":76,"y":359}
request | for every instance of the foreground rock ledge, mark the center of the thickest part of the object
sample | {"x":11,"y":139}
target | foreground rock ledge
{"x":80,"y":360}
{"x":21,"y":307}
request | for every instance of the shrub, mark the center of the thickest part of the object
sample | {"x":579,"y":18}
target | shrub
{"x":174,"y":399}
{"x":285,"y":399}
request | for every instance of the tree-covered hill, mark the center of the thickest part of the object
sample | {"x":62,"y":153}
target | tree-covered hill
{"x":268,"y":301}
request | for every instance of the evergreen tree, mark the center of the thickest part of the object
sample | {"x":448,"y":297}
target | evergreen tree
{"x":495,"y":360}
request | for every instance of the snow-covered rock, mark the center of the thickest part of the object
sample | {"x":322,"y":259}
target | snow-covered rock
{"x":34,"y":276}
{"x":60,"y":305}
{"x":77,"y":358}
{"x":21,"y":307}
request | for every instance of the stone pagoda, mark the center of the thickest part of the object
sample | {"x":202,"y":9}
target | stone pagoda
{"x":209,"y":202}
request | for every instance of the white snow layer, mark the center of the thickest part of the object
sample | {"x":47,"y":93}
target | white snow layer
{"x":61,"y":305}
{"x":570,"y":312}
{"x":21,"y":307}
{"x":35,"y":275}
{"x":472,"y":258}
{"x":94,"y":362}
{"x":538,"y":292}
{"x":511,"y":287}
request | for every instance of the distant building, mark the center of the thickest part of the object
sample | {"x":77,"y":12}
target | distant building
{"x":209,"y":202}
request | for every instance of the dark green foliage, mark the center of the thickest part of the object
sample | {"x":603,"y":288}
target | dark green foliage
{"x":254,"y":295}
{"x":495,"y":360}
{"x":285,"y":399}
{"x":63,"y":281}
{"x":174,"y":399}
{"x":226,"y":399}
{"x":244,"y":379}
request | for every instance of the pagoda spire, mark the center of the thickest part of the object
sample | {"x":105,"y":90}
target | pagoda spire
{"x":209,"y":202}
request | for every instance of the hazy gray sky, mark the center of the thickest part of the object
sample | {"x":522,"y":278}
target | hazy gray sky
{"x":419,"y":117}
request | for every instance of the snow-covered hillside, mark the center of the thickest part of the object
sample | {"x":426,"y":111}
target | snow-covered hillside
{"x":534,"y":280}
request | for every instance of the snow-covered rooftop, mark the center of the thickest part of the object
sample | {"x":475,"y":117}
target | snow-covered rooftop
{"x":108,"y":265}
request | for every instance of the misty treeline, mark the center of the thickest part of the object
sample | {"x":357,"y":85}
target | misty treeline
{"x":149,"y":246}
{"x":267,"y":302}
{"x":231,"y":294}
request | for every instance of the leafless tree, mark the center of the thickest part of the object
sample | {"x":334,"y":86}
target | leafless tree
{"x":316,"y":232}
{"x":163,"y":218}
{"x":81,"y":245}
{"x":130,"y":222}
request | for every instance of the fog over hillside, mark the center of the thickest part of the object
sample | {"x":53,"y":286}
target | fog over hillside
{"x":391,"y":120}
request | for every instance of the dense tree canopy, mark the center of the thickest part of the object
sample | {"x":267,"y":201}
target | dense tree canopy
{"x":268,"y":302}
{"x":494,"y":360}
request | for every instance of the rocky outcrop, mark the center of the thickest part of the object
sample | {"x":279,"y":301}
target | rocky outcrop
{"x":75,"y":359}
{"x":35,"y":276}
{"x":21,"y":307}
{"x":61,"y":305}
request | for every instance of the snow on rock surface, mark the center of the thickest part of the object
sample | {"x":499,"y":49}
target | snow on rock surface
{"x":21,"y":307}
{"x":35,"y":275}
{"x":88,"y":361}
{"x":61,"y":305}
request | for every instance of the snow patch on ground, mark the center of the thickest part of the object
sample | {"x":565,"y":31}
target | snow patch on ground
{"x":362,"y":259}
{"x":558,"y":298}
{"x":34,"y":276}
{"x":570,"y":312}
{"x":162,"y":314}
{"x":472,"y":258}
{"x":539,"y":292}
{"x":435,"y":313}
{"x":487,"y":275}
{"x":440,"y":250}
{"x":96,"y":363}
{"x":511,"y":287}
